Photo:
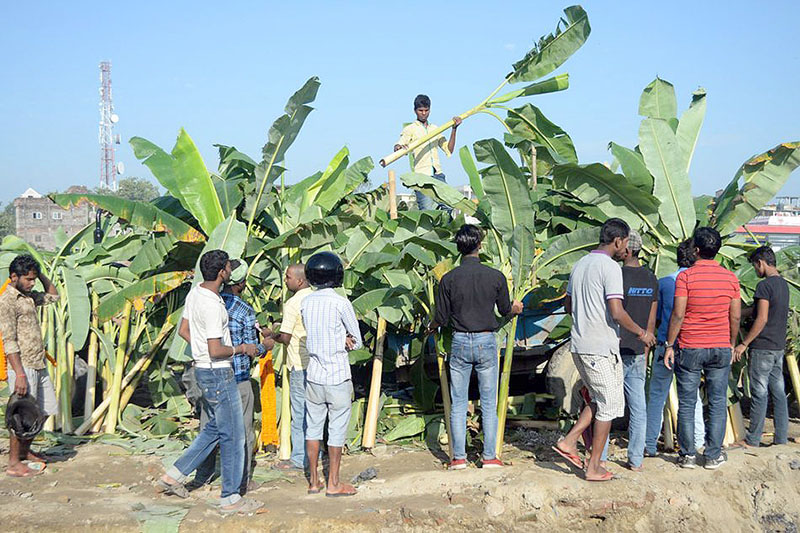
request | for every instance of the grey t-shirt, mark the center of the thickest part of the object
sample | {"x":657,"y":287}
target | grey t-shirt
{"x":595,"y":279}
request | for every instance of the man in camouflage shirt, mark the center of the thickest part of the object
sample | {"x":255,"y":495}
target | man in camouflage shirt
{"x":25,"y":353}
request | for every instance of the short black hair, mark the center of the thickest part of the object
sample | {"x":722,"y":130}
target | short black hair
{"x":422,"y":100}
{"x":468,"y":239}
{"x":22,"y":264}
{"x":614,"y":228}
{"x":763,"y":253}
{"x":707,"y":241}
{"x":212,"y":262}
{"x":686,"y":255}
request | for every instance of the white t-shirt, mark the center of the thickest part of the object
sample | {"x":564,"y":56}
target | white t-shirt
{"x":595,"y":279}
{"x":208,"y":319}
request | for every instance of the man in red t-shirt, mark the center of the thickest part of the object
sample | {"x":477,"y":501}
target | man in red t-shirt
{"x":705,"y":322}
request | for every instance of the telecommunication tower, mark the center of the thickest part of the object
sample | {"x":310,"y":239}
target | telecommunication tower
{"x":108,"y":168}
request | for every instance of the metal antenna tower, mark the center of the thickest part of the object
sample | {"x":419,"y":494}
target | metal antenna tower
{"x":108,"y":169}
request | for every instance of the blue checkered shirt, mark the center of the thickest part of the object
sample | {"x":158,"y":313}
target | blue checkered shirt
{"x":328,"y":319}
{"x":242,"y":325}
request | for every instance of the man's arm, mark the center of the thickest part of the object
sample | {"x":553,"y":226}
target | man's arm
{"x":404,"y":140}
{"x":217,"y":350}
{"x":622,"y":318}
{"x":250,"y":336}
{"x":651,"y":321}
{"x":8,"y":331}
{"x":568,"y":305}
{"x":755,"y":331}
{"x":49,"y":288}
{"x":451,"y":144}
{"x":675,"y":323}
{"x":183,"y":331}
{"x":735,"y":318}
{"x":351,"y":324}
{"x":442,"y":302}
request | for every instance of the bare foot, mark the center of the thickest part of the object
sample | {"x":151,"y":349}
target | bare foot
{"x":601,"y":474}
{"x":632,"y":468}
{"x":22,"y":470}
{"x":568,"y":449}
{"x":34,"y":457}
{"x":342,"y":489}
{"x":741,"y":444}
{"x":317,"y":488}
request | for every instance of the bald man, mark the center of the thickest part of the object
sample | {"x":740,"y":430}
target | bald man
{"x":293,"y":335}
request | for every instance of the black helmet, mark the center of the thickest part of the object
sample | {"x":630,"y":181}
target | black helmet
{"x":23,"y":417}
{"x":325,"y":270}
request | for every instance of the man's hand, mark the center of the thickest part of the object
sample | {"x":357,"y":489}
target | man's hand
{"x":398,"y":147}
{"x":21,"y":384}
{"x":456,"y":122}
{"x":517,"y":307}
{"x":669,"y":357}
{"x":349,"y":343}
{"x":738,"y":352}
{"x":249,"y":349}
{"x":647,"y":338}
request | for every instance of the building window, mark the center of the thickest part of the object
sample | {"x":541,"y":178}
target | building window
{"x":58,"y":215}
{"x":37,"y":215}
{"x":37,"y":238}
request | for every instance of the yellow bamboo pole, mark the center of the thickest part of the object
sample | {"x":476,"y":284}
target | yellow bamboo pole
{"x":285,"y":448}
{"x":371,"y":421}
{"x":392,"y":194}
{"x":119,"y":368}
{"x":445,"y":397}
{"x":737,"y":421}
{"x":794,"y":374}
{"x":91,"y":371}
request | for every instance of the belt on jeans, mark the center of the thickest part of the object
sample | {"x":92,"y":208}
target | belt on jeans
{"x":210,"y":366}
{"x":473,"y":332}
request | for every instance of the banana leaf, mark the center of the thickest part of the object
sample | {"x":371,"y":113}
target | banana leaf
{"x":153,"y":254}
{"x":183,"y":173}
{"x":439,"y":191}
{"x":139,"y":214}
{"x":658,"y":100}
{"x":472,"y":171}
{"x":632,"y":164}
{"x":522,"y":258}
{"x":329,"y":188}
{"x":561,"y":252}
{"x":408,"y":426}
{"x":138,"y":293}
{"x":689,"y":126}
{"x":79,"y":309}
{"x":529,"y":123}
{"x":755,"y":184}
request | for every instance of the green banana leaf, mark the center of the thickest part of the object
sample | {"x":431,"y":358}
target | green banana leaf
{"x":138,"y":214}
{"x":139,"y":292}
{"x":153,"y":254}
{"x":506,"y":188}
{"x":552,"y":50}
{"x":596,"y":185}
{"x":550,"y":85}
{"x":658,"y":100}
{"x":561,"y":252}
{"x":522,"y":258}
{"x":329,"y":188}
{"x":632,"y":164}
{"x":663,"y":157}
{"x":79,"y":309}
{"x":689,"y":126}
{"x":703,"y":205}
{"x":755,"y":184}
{"x":529,"y":123}
{"x":439,"y":191}
{"x":184,"y":174}
{"x":472,"y":171}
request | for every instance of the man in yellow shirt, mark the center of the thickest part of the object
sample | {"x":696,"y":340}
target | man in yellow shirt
{"x":293,"y":335}
{"x":426,"y":157}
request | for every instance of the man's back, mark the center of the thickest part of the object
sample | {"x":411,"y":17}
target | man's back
{"x":328,"y":319}
{"x":666,"y":300}
{"x":775,"y":290}
{"x":468,"y":295}
{"x":641,"y":291}
{"x":208,"y":319}
{"x":595,"y":278}
{"x":709,"y":289}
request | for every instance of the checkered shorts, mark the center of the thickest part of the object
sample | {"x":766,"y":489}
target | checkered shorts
{"x":602,"y":375}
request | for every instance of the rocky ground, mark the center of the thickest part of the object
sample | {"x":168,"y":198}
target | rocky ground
{"x":100,"y":487}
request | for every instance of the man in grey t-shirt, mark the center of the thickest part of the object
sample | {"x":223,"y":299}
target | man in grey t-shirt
{"x":594,"y":299}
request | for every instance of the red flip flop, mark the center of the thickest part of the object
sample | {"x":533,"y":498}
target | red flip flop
{"x":573,"y":459}
{"x":608,"y":476}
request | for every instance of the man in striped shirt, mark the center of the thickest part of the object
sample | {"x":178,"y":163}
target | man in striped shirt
{"x":331,"y":331}
{"x":705,"y":322}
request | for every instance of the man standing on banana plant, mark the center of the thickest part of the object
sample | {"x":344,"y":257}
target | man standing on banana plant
{"x":293,"y":335}
{"x":595,"y":293}
{"x":426,"y":157}
{"x":466,"y":301}
{"x":640,"y":302}
{"x":766,"y":342}
{"x":705,"y":323}
{"x":25,"y":352}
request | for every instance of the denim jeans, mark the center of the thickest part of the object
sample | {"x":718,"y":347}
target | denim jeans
{"x":715,"y":364}
{"x":297,"y":392}
{"x":660,"y":382}
{"x":225,"y":427}
{"x":478,"y":351}
{"x":766,"y":376}
{"x":426,"y":202}
{"x":634,"y":369}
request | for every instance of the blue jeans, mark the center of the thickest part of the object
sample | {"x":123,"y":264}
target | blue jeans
{"x":634,"y":369}
{"x":660,"y":382}
{"x":478,"y":351}
{"x":766,"y":375}
{"x":426,"y":202}
{"x":225,"y":427}
{"x":297,"y":392}
{"x":715,"y":364}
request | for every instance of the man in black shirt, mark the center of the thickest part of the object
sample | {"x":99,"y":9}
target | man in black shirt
{"x":466,"y":300}
{"x":641,"y":303}
{"x":767,"y":342}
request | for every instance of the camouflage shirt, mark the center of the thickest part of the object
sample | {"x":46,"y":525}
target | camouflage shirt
{"x":19,"y":325}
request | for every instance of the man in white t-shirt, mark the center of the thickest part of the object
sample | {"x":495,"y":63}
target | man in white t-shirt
{"x":594,"y":299}
{"x":205,"y":327}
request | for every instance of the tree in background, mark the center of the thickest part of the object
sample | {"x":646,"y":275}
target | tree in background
{"x":133,"y":188}
{"x":7,"y":220}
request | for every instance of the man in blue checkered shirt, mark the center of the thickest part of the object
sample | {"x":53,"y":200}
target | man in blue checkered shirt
{"x":244,"y":329}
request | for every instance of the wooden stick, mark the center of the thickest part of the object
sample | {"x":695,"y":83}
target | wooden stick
{"x":119,"y":364}
{"x":91,"y":371}
{"x":285,"y":430}
{"x":737,"y":421}
{"x":392,"y":195}
{"x":794,"y":374}
{"x":445,"y":386}
{"x":371,"y":421}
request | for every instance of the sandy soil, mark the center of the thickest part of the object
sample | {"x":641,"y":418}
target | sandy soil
{"x":103,"y":488}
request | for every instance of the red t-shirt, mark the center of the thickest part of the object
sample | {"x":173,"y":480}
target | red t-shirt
{"x":709,"y":289}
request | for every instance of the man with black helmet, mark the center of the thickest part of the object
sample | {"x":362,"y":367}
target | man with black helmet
{"x":331,"y":331}
{"x":24,"y":348}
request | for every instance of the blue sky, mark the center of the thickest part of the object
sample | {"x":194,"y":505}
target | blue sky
{"x":223,"y":71}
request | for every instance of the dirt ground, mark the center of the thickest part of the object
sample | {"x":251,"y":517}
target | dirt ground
{"x":100,"y":487}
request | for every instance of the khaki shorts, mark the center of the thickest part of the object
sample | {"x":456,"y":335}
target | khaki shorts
{"x":603,"y":376}
{"x":39,"y":386}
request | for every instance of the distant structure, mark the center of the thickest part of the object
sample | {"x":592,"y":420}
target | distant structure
{"x":108,"y":167}
{"x":777,"y":223}
{"x":38,"y":219}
